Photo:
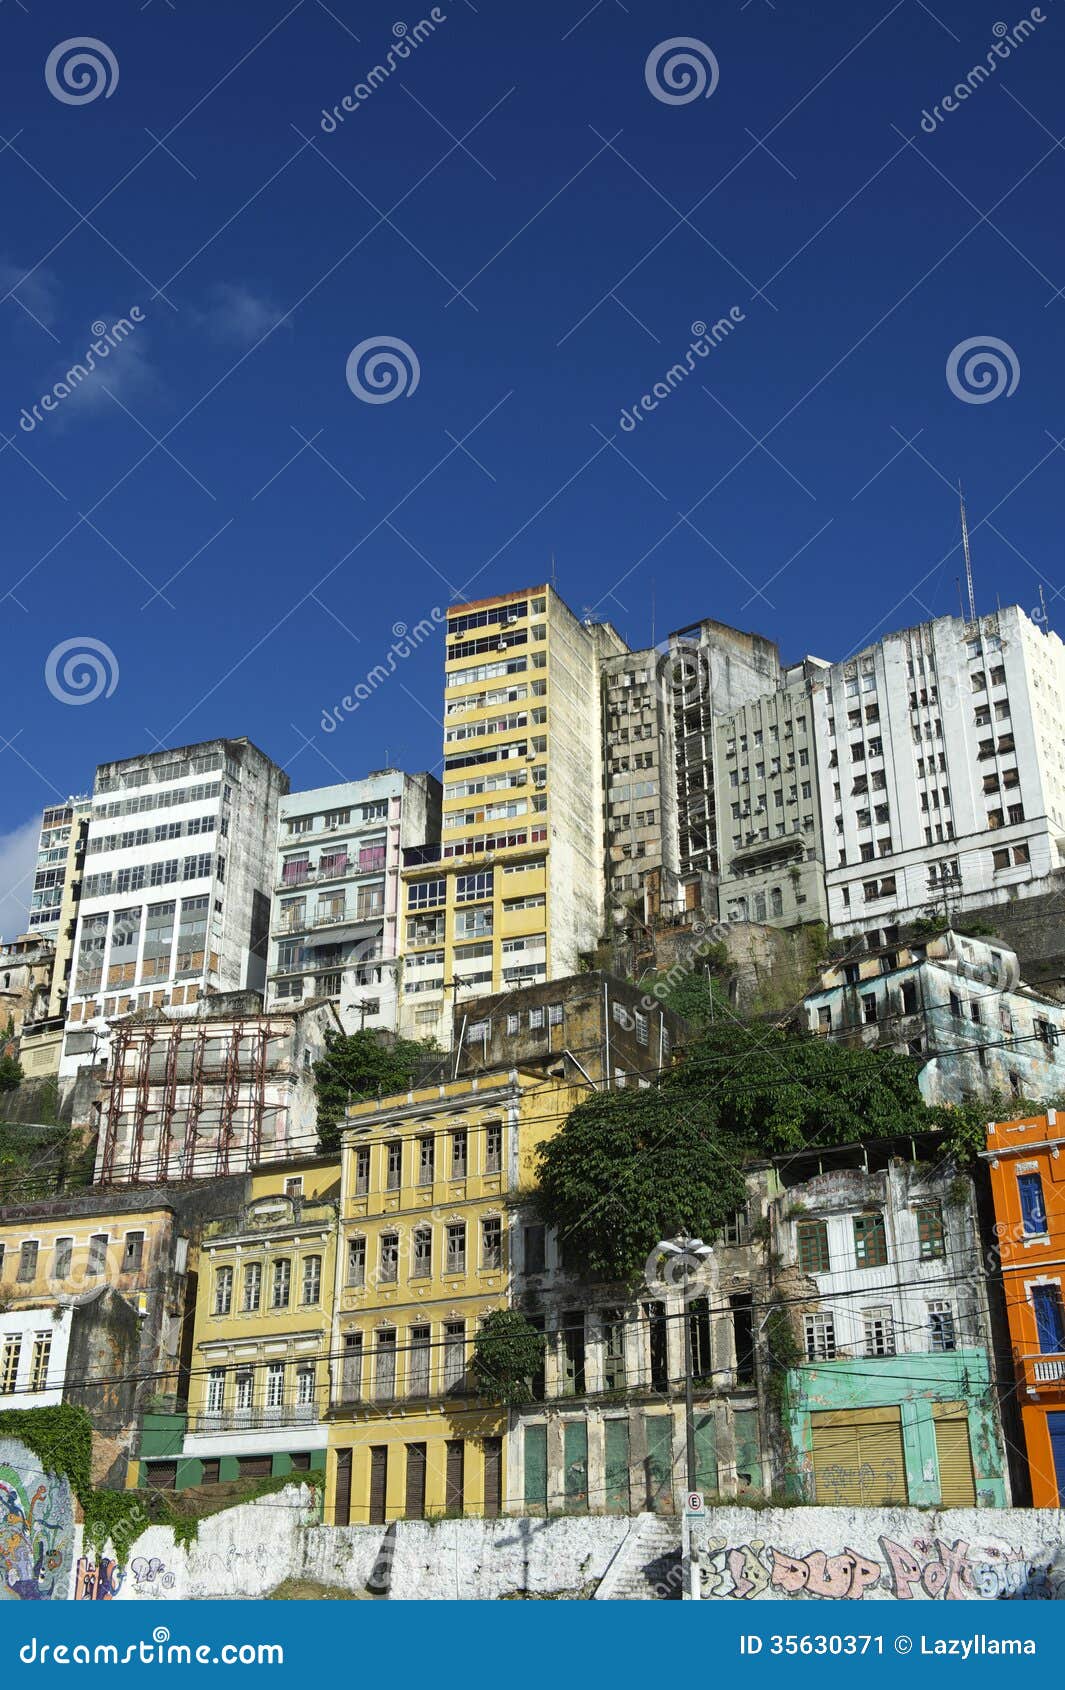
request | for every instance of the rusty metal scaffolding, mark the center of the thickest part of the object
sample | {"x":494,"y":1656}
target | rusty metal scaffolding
{"x":140,"y":1103}
{"x":192,"y":1115}
{"x":119,"y":1045}
{"x":230,"y":1098}
{"x":169,"y":1102}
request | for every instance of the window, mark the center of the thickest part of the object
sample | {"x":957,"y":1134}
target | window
{"x":351,"y":1367}
{"x":132,"y":1252}
{"x":879,"y":1325}
{"x":312,"y":1280}
{"x":535,"y":1247}
{"x":456,"y":1247}
{"x":493,"y":1147}
{"x":389,"y":1258}
{"x":1033,"y":1209}
{"x":819,"y":1331}
{"x":362,"y":1171}
{"x":492,"y":1242}
{"x":426,"y":1160}
{"x":294,"y":1187}
{"x":1049,"y":1318}
{"x":216,"y":1390}
{"x":356,"y":1261}
{"x":454,"y":1354}
{"x":39,"y":1356}
{"x":425,"y":894}
{"x":536,"y":1019}
{"x":9,"y":1360}
{"x":870,"y":1241}
{"x":813,"y":1246}
{"x":223,"y":1290}
{"x":418,"y":1384}
{"x":282,"y":1283}
{"x":253,"y":1285}
{"x":97,"y":1262}
{"x":275,"y":1385}
{"x":941,"y":1331}
{"x":394,"y":1165}
{"x":573,"y":1353}
{"x":612,"y":1327}
{"x":64,"y":1250}
{"x":27,"y":1262}
{"x":422,"y":1254}
{"x":458,"y":1153}
{"x":930,"y":1240}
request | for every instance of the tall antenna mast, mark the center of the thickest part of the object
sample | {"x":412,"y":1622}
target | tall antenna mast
{"x":968,"y":555}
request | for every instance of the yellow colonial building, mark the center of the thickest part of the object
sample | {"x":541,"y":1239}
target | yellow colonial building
{"x":260,"y":1386}
{"x":427,"y":1249}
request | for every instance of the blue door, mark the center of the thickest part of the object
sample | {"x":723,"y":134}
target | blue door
{"x":1056,"y":1428}
{"x":1049,"y":1319}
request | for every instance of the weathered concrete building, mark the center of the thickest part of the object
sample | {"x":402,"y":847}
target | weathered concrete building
{"x":957,"y":1004}
{"x":59,"y":853}
{"x":878,"y":1332}
{"x":197,"y":1096}
{"x":640,"y":790}
{"x":175,"y":899}
{"x":768,"y":806}
{"x":592,"y":1029}
{"x":336,"y":915}
{"x":606,"y":1431}
{"x":95,"y":1298}
{"x":25,"y":981}
{"x":942,"y":770}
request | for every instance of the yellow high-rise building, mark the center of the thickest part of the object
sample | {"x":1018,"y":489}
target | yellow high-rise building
{"x":513,"y":895}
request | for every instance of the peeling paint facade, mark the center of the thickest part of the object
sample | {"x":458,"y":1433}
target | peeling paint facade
{"x":955,"y":1003}
{"x":881,"y":1283}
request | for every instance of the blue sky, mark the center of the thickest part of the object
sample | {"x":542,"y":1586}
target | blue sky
{"x":219,"y":509}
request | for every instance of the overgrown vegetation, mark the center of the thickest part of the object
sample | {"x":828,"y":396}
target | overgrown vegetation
{"x":782,"y":1354}
{"x":10,"y":1073}
{"x":35,"y":1161}
{"x":61,"y":1439}
{"x":358,"y":1067}
{"x":630,"y":1167}
{"x":507,"y":1352}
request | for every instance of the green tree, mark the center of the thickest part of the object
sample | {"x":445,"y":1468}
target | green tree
{"x":357,"y":1067}
{"x":507,"y":1352}
{"x":777,"y":1090}
{"x":10,"y":1073}
{"x":631,"y":1167}
{"x":691,"y":992}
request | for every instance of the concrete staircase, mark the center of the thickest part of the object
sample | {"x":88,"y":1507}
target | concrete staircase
{"x":647,"y":1567}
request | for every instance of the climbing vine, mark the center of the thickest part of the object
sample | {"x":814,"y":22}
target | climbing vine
{"x":61,"y":1439}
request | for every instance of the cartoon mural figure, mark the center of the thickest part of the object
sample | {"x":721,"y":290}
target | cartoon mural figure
{"x":97,"y":1582}
{"x":34,"y":1538}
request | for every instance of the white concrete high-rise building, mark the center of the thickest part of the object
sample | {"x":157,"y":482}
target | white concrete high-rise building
{"x":175,"y":899}
{"x":334,"y":930}
{"x":941,"y":764}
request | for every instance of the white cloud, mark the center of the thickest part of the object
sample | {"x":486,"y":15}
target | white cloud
{"x":238,"y":313}
{"x":18,"y":858}
{"x":39,"y":293}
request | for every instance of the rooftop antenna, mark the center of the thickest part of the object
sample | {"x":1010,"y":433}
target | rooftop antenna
{"x":554,"y":573}
{"x":652,"y":613}
{"x":1043,"y":606}
{"x":968,"y":556}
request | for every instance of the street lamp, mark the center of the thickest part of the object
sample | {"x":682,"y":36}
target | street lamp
{"x":679,"y":1261}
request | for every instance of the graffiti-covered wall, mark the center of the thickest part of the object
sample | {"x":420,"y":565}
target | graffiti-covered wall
{"x":882,"y":1554}
{"x":36,"y":1528}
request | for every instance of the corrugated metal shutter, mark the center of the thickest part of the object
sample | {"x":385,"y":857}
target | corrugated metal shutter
{"x":858,"y":1460}
{"x":956,"y":1484}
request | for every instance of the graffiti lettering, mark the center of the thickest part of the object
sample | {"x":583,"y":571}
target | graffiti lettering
{"x":926,"y":1569}
{"x":97,"y":1581}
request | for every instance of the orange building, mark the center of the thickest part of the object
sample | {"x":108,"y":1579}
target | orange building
{"x":1028,"y":1187}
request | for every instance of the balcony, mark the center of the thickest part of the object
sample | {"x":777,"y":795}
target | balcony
{"x":256,"y":1419}
{"x":331,"y":868}
{"x":414,"y":856}
{"x":1043,"y":1373}
{"x":348,"y":915}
